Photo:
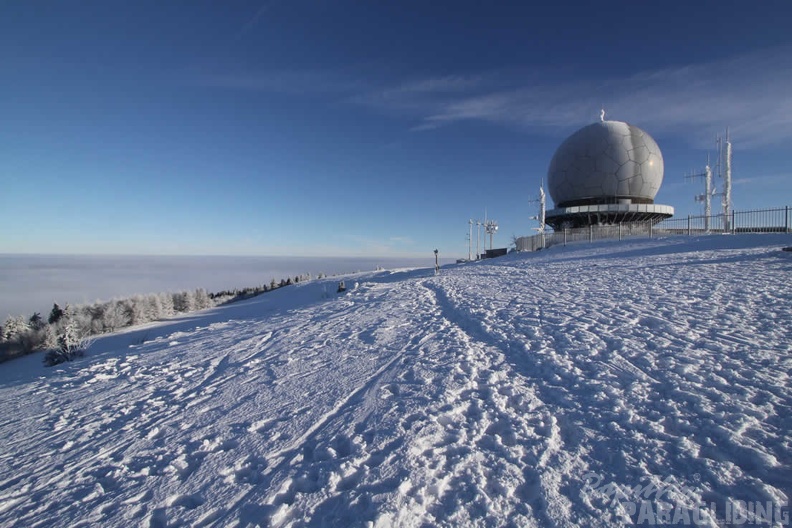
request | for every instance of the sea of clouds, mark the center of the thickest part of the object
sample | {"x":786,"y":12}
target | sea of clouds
{"x":32,"y":283}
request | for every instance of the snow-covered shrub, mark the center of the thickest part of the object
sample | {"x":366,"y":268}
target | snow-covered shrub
{"x":23,"y":335}
{"x":14,"y":327}
{"x":70,"y":344}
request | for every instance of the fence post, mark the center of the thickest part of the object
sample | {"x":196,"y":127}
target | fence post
{"x":734,"y":227}
{"x":620,"y":235}
{"x":591,"y":232}
{"x":689,"y":231}
{"x":565,"y":232}
{"x":786,"y":219}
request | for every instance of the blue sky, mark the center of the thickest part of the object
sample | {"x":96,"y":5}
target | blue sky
{"x":360,"y":128}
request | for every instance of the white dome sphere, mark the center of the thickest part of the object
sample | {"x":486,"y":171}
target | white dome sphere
{"x":606,"y":162}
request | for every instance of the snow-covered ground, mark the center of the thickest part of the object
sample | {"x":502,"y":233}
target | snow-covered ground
{"x":644,"y":381}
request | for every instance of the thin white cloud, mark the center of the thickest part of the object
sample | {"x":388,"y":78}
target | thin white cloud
{"x":751,"y":93}
{"x":402,"y":240}
{"x":763,"y":179}
{"x":367,"y":245}
{"x":438,"y":85}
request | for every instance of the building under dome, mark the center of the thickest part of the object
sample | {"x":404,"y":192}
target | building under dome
{"x":606,"y":173}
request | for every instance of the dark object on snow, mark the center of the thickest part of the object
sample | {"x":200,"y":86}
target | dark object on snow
{"x":787,"y":249}
{"x":499,"y":252}
{"x":341,"y":287}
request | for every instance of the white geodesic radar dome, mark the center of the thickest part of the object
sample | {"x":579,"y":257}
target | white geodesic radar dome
{"x":606,"y":162}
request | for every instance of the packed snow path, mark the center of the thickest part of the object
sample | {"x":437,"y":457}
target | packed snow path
{"x":521,"y":391}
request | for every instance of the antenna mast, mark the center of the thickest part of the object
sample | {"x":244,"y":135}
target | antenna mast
{"x":709,"y":192}
{"x":727,"y":180}
{"x":542,"y":209}
{"x":725,"y":172}
{"x":491,"y":227}
{"x":470,"y":240}
{"x":478,"y":236}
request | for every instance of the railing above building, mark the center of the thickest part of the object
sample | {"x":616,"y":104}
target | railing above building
{"x":778,"y":220}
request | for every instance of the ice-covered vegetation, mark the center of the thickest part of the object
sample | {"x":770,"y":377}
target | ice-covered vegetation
{"x":64,"y":334}
{"x":65,"y":327}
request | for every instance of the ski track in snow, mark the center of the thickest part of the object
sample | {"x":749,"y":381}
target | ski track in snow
{"x":479,"y":397}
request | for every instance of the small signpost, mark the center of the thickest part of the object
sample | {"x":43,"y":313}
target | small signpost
{"x":437,"y":263}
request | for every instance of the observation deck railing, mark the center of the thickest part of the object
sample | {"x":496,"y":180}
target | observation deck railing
{"x":777,"y":220}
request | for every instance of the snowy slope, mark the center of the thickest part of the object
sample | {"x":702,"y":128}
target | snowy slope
{"x":548,"y":389}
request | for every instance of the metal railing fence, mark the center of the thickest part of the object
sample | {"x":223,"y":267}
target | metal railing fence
{"x":777,"y":220}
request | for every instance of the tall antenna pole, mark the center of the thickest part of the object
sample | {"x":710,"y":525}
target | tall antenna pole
{"x":727,"y":179}
{"x":708,"y":193}
{"x":470,"y":239}
{"x":719,"y":142}
{"x":708,"y":190}
{"x":542,"y":209}
{"x":543,"y":204}
{"x":490,"y":227}
{"x":478,"y":236}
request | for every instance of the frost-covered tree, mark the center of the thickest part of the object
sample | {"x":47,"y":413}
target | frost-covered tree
{"x":56,"y":314}
{"x":116,"y":315}
{"x":135,"y":310}
{"x":27,"y":333}
{"x":69,"y":340}
{"x":95,"y":313}
{"x":183,"y":302}
{"x":32,"y":339}
{"x":201,"y":299}
{"x":166,"y":302}
{"x":152,"y":307}
{"x":14,"y":327}
{"x":36,"y":322}
{"x":50,"y":337}
{"x":179,"y":302}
